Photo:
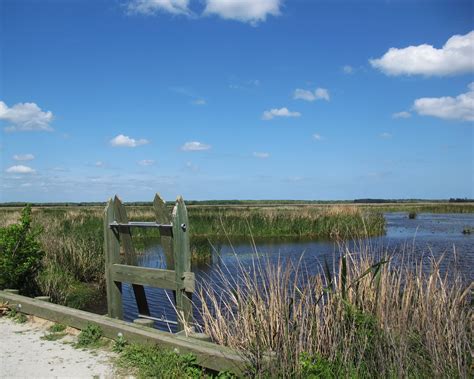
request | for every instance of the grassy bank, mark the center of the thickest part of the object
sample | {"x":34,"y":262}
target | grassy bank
{"x":72,"y":237}
{"x":366,"y":317}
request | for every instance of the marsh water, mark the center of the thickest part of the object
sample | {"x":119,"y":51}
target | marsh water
{"x":426,"y":235}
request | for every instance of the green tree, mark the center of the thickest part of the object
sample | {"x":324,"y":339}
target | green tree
{"x":20,"y":254}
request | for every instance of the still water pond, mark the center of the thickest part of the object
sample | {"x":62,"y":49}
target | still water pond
{"x":435,"y":234}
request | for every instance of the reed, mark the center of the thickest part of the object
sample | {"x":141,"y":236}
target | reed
{"x":367,"y":316}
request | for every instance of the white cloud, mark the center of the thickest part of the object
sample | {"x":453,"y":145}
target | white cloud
{"x":385,"y":135}
{"x":25,"y":117}
{"x":125,"y":141}
{"x":149,"y":7}
{"x":23,"y":157}
{"x":251,"y":11}
{"x":146,"y":162}
{"x":348,"y":69}
{"x":282,"y":112}
{"x":317,"y":137}
{"x":99,"y":164}
{"x":403,"y":114}
{"x":199,"y":102}
{"x":20,"y":169}
{"x":261,"y":155}
{"x":318,"y":94}
{"x":455,"y":57}
{"x":460,"y":107}
{"x":195,"y":146}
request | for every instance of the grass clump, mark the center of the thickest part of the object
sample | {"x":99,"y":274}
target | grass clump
{"x":371,"y":315}
{"x":155,"y":362}
{"x":57,"y":328}
{"x":89,"y":337}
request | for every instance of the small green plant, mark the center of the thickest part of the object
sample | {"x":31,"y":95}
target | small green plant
{"x":119,"y":343}
{"x":21,"y":318}
{"x":90,"y":336}
{"x":57,"y":328}
{"x":468,"y":230}
{"x":53,"y":336}
{"x":20,"y":254}
{"x":156,"y":362}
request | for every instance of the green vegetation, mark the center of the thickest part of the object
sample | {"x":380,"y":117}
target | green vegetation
{"x":155,"y":362}
{"x":20,"y":254}
{"x":57,"y":328}
{"x":366,"y":317}
{"x":90,"y":337}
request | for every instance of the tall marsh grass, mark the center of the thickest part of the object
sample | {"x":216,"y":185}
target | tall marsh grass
{"x":366,"y":316}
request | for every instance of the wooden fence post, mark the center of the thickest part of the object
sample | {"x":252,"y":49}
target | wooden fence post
{"x":112,"y":256}
{"x":182,"y":261}
{"x":125,"y":237}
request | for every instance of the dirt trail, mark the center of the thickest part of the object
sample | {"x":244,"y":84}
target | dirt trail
{"x":24,"y":354}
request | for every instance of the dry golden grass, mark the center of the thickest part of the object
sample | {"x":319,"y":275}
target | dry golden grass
{"x":384,"y":317}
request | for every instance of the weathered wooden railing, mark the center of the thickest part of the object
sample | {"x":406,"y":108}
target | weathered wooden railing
{"x":174,"y":234}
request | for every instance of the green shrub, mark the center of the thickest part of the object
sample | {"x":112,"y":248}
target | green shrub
{"x":20,"y":255}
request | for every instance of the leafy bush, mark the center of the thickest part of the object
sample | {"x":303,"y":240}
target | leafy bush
{"x":20,"y":254}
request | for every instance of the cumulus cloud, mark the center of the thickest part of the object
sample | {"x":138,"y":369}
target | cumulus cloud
{"x":23,"y":157}
{"x":251,"y":11}
{"x":150,"y":7}
{"x":317,"y":94}
{"x":195,"y":146}
{"x":20,"y":169}
{"x":25,"y":117}
{"x":261,"y":155}
{"x":455,"y":57}
{"x":403,"y":114}
{"x":146,"y":162}
{"x":125,"y":141}
{"x":282,"y":112}
{"x":460,"y":107}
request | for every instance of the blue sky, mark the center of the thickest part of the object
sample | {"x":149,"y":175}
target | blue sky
{"x":236,"y":99}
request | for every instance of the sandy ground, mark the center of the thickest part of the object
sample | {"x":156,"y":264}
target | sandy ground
{"x":23,"y":354}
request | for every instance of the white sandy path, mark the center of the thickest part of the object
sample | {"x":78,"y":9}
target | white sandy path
{"x":23,"y":354}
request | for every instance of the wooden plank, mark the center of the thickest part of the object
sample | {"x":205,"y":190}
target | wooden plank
{"x":130,"y":256}
{"x":209,"y":355}
{"x":112,"y":256}
{"x":152,"y":277}
{"x":182,"y":260}
{"x":162,"y":216}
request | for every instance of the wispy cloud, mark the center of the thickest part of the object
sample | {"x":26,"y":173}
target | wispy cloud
{"x":460,"y":107}
{"x":146,"y":162}
{"x":99,"y":164}
{"x":317,"y":137}
{"x":25,"y":117}
{"x":282,"y":112}
{"x":199,"y":102}
{"x":195,"y":146}
{"x":455,"y":57}
{"x":150,"y":7}
{"x":20,"y":169}
{"x":385,"y":135}
{"x":403,"y":114}
{"x":261,"y":155}
{"x":126,"y":141}
{"x":250,"y":11}
{"x":23,"y":157}
{"x":347,"y":69}
{"x":317,"y":94}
